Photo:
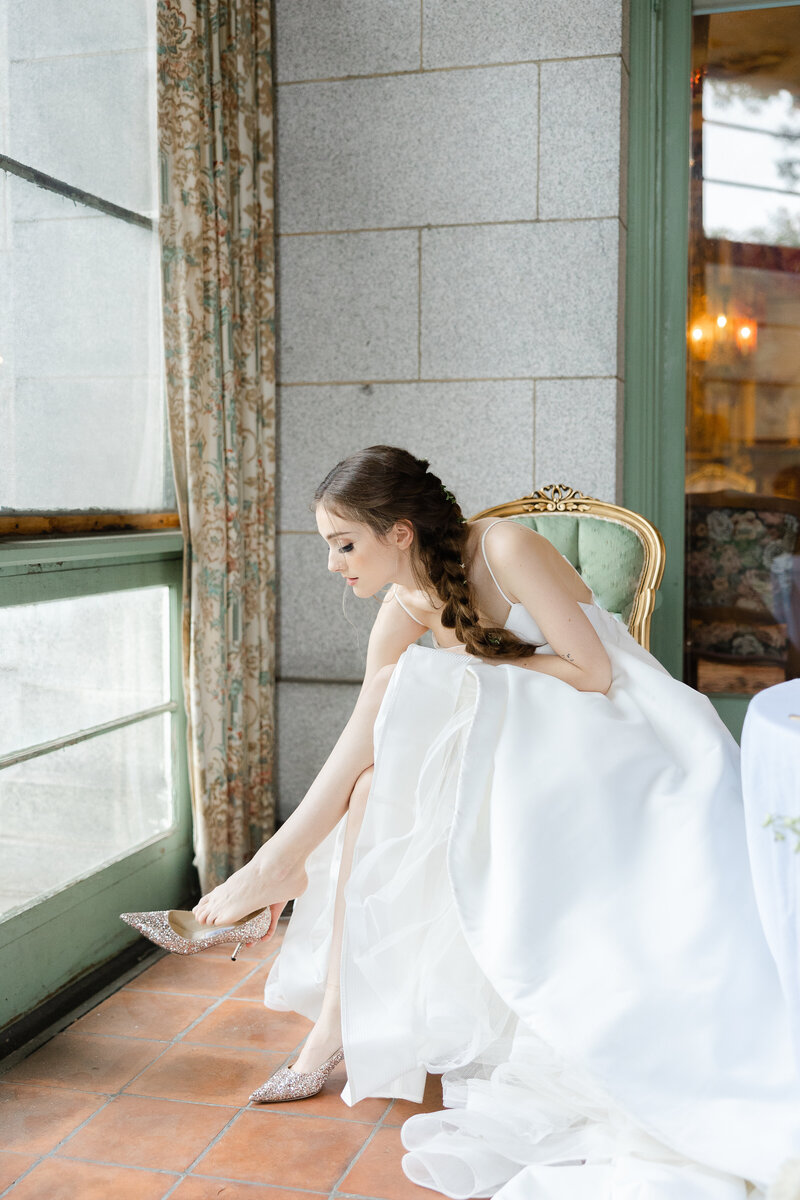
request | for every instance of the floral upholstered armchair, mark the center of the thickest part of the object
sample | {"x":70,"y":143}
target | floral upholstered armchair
{"x":743,"y":581}
{"x":618,"y":553}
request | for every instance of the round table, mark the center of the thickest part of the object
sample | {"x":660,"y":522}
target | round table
{"x":771,"y":787}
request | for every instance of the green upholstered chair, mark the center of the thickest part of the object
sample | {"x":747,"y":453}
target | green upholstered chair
{"x":617,"y":552}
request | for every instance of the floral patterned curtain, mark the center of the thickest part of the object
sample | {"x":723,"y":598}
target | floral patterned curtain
{"x":216,"y":149}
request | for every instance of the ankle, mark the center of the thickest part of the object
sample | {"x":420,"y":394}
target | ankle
{"x":271,"y":867}
{"x":328,"y":1024}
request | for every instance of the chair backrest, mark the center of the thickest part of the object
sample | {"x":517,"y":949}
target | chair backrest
{"x":618,"y":553}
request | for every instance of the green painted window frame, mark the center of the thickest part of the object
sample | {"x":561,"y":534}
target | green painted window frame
{"x":657,"y":293}
{"x":657,"y":299}
{"x":48,"y":946}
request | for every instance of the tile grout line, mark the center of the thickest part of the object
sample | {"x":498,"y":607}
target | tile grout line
{"x":460,"y":379}
{"x":218,"y":1002}
{"x":214,"y":1003}
{"x":248,"y":1183}
{"x":533,"y":446}
{"x":419,"y":301}
{"x":416,"y":71}
{"x":538,"y":139}
{"x":379,"y":1124}
{"x":434,"y":225}
{"x":336,"y":1193}
{"x":201,"y":1155}
{"x":301,"y":1116}
{"x":110,"y":1097}
{"x":249,"y":1107}
{"x":236,"y":1115}
{"x":46,"y":1035}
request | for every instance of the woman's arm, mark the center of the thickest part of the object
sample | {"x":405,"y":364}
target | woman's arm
{"x":393,"y":632}
{"x":533,"y":573}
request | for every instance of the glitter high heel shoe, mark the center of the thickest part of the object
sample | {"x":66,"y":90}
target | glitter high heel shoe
{"x":287,"y":1084}
{"x":180,"y":932}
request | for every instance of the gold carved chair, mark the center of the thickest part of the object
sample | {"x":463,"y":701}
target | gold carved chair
{"x":619,"y":553}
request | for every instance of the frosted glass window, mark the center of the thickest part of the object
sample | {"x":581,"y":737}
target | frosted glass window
{"x":51,"y":27}
{"x":82,"y":415}
{"x":82,"y":101}
{"x":66,"y":665}
{"x":82,"y":419}
{"x":65,"y":815}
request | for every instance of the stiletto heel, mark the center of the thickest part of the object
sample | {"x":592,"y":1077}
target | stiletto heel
{"x":180,"y":932}
{"x":287,"y":1084}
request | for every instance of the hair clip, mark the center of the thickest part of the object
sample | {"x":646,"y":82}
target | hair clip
{"x":493,"y":639}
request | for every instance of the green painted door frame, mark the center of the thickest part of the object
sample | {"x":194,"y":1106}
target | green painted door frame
{"x":657,"y":297}
{"x":656,"y":292}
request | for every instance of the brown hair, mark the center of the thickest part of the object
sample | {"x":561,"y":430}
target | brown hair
{"x":383,"y":484}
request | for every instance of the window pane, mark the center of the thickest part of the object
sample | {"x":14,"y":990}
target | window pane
{"x":82,"y":95}
{"x":743,"y":420}
{"x":69,"y":813}
{"x":66,"y":665}
{"x":745,"y":214}
{"x":81,"y":404}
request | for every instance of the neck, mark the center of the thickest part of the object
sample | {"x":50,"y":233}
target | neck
{"x":404,"y":576}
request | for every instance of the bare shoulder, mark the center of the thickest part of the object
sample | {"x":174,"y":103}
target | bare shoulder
{"x":527,"y":563}
{"x":400,"y":599}
{"x":507,"y":541}
{"x":393,"y":631}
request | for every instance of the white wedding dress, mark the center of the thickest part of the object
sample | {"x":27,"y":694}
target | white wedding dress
{"x":551,"y":904}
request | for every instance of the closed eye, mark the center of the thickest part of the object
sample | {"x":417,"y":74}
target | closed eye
{"x":346,"y":549}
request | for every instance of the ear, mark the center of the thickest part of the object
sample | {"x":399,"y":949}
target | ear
{"x":403,"y":533}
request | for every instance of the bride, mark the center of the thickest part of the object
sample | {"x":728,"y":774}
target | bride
{"x":523,"y":866}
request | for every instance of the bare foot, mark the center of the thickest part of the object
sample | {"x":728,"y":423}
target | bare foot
{"x":248,"y":890}
{"x":323,"y":1041}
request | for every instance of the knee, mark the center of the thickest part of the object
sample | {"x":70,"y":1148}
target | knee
{"x":360,"y":792}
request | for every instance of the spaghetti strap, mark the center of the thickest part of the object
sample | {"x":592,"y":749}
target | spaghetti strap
{"x":405,"y":610}
{"x":499,"y":521}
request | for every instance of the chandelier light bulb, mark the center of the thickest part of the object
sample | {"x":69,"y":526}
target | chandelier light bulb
{"x":722,"y":320}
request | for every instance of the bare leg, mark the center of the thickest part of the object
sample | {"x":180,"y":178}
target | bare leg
{"x":326,"y":1036}
{"x":276,"y":873}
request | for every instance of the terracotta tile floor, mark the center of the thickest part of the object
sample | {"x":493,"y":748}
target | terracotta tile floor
{"x":145,"y":1096}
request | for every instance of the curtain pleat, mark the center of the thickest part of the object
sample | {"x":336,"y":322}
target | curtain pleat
{"x":216,"y":220}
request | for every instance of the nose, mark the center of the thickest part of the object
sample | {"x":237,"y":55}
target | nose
{"x":333,"y":555}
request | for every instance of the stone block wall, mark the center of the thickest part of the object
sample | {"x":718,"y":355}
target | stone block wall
{"x":450,"y":219}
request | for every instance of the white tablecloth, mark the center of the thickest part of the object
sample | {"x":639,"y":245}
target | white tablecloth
{"x":771,"y":784}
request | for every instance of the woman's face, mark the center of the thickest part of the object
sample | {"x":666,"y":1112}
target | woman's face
{"x":366,"y":562}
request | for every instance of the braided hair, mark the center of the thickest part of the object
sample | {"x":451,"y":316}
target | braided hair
{"x":384,"y":484}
